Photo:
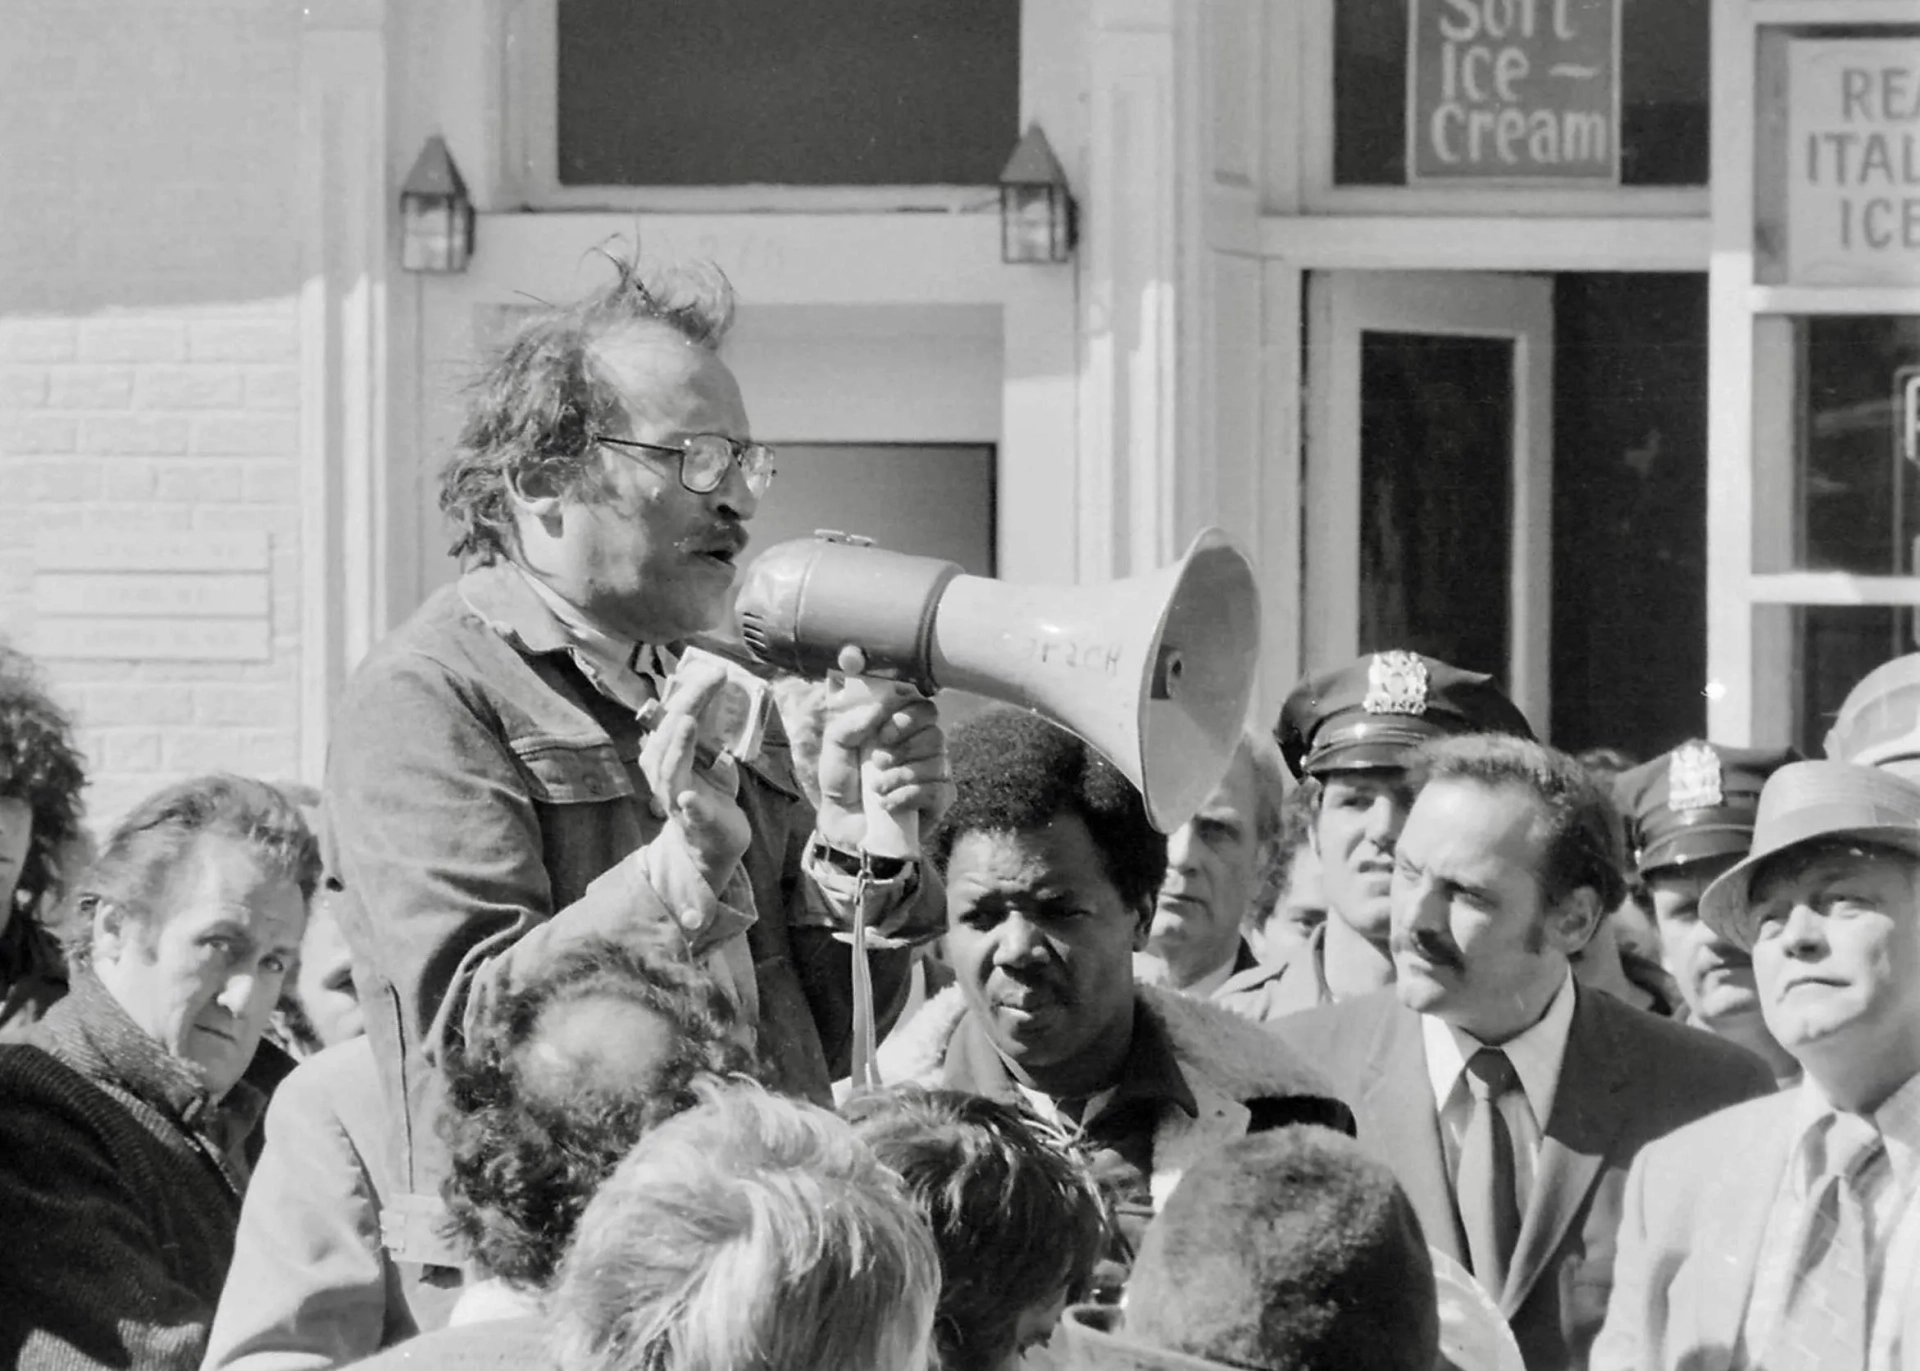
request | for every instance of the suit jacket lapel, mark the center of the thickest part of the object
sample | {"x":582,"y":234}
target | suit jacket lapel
{"x":1725,"y":1249}
{"x":1581,"y":1128}
{"x":1401,"y":1127}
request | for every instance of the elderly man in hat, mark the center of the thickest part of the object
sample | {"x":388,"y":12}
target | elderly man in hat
{"x":1508,"y":1098}
{"x":1690,"y":817}
{"x":1879,"y":721}
{"x":1352,"y":730}
{"x":1782,"y":1233}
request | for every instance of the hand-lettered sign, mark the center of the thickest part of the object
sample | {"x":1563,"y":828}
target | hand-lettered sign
{"x":1513,"y":91}
{"x":1852,"y":156}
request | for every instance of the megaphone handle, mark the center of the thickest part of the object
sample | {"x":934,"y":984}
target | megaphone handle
{"x":889,"y":834}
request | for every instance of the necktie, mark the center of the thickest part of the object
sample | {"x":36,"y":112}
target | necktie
{"x":1485,"y":1189}
{"x":1824,"y":1324}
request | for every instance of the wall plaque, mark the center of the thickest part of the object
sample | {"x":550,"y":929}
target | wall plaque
{"x":1506,"y":91}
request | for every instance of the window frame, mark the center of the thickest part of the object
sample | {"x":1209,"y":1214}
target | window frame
{"x":531,"y":153}
{"x":1751,"y":663}
{"x":1321,"y":195}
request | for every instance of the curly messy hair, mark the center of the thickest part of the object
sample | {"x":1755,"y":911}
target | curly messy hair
{"x":1014,"y":772}
{"x":535,"y":406}
{"x":39,"y":765}
{"x":526,"y":1159}
{"x":1016,"y":1215}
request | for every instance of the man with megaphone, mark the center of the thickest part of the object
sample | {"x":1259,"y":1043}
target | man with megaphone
{"x":494,"y":790}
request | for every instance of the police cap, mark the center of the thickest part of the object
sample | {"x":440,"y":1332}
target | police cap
{"x":1695,"y":802}
{"x":1371,"y":714}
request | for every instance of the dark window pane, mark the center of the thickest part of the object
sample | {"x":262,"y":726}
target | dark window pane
{"x":1436,"y":456}
{"x":1858,"y":501}
{"x":769,"y":92}
{"x":1629,"y":511}
{"x":1834,"y":646}
{"x":1664,"y":62}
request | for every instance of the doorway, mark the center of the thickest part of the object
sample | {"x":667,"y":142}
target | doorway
{"x":1508,"y":472}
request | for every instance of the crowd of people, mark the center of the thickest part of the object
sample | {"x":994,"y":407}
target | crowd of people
{"x":536,"y":1036}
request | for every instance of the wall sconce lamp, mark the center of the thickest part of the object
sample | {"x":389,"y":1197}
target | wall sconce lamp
{"x":1036,"y":207}
{"x":436,"y":217}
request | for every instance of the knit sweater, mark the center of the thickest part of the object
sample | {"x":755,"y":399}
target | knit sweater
{"x":119,"y":1194}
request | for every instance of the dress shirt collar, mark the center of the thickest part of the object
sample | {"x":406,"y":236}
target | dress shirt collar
{"x":1897,"y":1118}
{"x":1536,"y":1054}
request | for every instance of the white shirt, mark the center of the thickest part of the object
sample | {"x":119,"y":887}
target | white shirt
{"x":1892,"y":1226}
{"x":1536,"y":1055}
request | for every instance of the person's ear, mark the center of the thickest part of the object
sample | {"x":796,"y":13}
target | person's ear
{"x":113,"y":932}
{"x":535,"y":493}
{"x":1143,"y":925}
{"x":1576,"y":919}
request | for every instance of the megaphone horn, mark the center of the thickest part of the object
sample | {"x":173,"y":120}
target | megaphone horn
{"x":1155,"y":671}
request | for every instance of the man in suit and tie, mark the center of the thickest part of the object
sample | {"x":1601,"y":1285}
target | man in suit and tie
{"x":1782,"y":1234}
{"x":1509,"y":1100}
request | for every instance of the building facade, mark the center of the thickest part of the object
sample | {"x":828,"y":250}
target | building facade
{"x":1572,"y":340}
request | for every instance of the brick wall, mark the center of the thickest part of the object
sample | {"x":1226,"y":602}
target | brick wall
{"x":149,"y":343}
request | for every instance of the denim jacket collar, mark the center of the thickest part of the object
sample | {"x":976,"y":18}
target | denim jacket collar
{"x":498,"y":592}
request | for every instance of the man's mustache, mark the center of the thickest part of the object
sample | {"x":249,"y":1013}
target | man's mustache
{"x":1429,"y":947}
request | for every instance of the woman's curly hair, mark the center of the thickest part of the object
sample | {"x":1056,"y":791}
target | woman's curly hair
{"x":40,"y":765}
{"x":529,"y":1153}
{"x":539,"y":401}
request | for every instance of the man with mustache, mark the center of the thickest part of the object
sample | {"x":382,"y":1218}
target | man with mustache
{"x":1052,"y":868}
{"x":1783,"y":1234}
{"x":1689,"y":818}
{"x":493,"y":795}
{"x":1353,"y":730}
{"x":1509,"y":1099}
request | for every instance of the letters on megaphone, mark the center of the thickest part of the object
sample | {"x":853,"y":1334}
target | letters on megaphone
{"x":1155,"y":671}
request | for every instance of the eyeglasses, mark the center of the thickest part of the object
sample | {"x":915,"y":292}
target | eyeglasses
{"x":706,"y":457}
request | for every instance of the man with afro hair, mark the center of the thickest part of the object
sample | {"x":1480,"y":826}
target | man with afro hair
{"x":1052,"y":869}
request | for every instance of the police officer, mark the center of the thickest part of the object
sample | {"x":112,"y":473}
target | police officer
{"x":1879,"y":721}
{"x":1353,"y":730}
{"x":1690,"y":815}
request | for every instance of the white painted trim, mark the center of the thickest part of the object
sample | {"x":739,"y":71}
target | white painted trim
{"x":1834,"y":299}
{"x":343,"y":353}
{"x":1832,"y":588}
{"x":1324,"y":242}
{"x":1730,"y":362}
{"x":1281,"y":487}
{"x":1828,"y":12}
{"x":1344,"y":305}
{"x":772,"y":259}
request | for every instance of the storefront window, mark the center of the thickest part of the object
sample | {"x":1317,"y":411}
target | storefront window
{"x":1664,"y":64}
{"x":1856,"y":492}
{"x":769,"y":92}
{"x":1831,"y":647}
{"x":1435,"y":516}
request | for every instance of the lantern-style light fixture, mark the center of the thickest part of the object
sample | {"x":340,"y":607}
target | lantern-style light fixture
{"x":436,"y":217}
{"x":1036,"y":208}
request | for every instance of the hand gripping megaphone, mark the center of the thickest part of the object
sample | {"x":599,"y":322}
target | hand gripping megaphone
{"x":1155,"y":671}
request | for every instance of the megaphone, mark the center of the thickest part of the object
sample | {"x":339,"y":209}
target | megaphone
{"x":1154,"y":672}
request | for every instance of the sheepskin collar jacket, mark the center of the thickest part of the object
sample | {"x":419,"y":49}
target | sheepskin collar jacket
{"x":1243,"y":1079}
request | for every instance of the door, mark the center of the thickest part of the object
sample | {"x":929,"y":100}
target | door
{"x":1428,"y":504}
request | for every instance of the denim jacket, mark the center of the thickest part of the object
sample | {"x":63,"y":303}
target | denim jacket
{"x":482,"y":800}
